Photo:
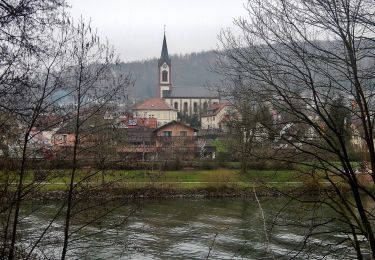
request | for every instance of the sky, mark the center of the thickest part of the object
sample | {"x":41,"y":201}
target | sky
{"x":135,"y":27}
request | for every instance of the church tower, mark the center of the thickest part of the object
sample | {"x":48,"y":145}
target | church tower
{"x":164,"y":66}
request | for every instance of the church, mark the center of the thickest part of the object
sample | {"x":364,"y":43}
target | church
{"x":188,"y":100}
{"x":170,"y":100}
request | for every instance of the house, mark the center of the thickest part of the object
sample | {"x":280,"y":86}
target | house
{"x":175,"y":129}
{"x":176,"y":139}
{"x":156,"y":108}
{"x":217,"y":115}
{"x":64,"y":137}
{"x":138,"y":143}
{"x":163,"y":143}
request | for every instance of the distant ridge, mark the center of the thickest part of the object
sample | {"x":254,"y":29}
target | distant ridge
{"x":187,"y":70}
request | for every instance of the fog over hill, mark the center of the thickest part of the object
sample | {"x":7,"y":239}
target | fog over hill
{"x":187,"y":70}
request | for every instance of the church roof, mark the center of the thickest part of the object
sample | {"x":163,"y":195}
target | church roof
{"x":192,"y":92}
{"x":164,"y":57}
{"x":153,"y":104}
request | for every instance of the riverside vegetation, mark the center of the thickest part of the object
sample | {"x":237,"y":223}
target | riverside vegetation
{"x":184,"y":182}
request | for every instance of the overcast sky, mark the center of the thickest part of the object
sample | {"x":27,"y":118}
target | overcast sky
{"x":135,"y":27}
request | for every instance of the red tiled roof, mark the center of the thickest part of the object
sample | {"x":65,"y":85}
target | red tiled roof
{"x":153,"y":104}
{"x":177,"y":123}
{"x":140,"y":122}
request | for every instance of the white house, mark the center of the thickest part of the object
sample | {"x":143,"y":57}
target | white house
{"x":155,"y":108}
{"x":216,"y":116}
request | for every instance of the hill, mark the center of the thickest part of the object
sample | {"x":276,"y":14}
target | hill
{"x":187,"y":70}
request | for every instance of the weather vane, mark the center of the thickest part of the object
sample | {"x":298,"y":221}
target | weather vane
{"x":164,"y":28}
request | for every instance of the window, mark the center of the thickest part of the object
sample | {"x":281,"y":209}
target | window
{"x":167,"y":133}
{"x":205,"y":106}
{"x":64,"y":138}
{"x":166,"y":93}
{"x":164,"y":76}
{"x":185,"y":107}
{"x":183,"y":133}
{"x":175,"y":105}
{"x":195,"y":107}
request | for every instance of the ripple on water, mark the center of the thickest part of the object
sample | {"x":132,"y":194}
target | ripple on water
{"x":219,"y":219}
{"x":191,"y":250}
{"x":140,"y":225}
{"x":178,"y":229}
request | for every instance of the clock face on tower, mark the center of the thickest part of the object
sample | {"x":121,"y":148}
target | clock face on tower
{"x":164,"y":66}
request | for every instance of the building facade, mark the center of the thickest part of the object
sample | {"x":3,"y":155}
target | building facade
{"x":155,"y":108}
{"x":188,"y":100}
{"x":217,"y":116}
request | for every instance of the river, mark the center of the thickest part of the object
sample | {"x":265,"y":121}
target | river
{"x":224,"y":228}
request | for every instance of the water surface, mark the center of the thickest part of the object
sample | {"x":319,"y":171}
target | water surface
{"x":225,"y":228}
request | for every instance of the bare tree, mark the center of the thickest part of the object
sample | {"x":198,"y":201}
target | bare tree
{"x":250,"y":120}
{"x":94,"y":81}
{"x":47,"y":62}
{"x":301,"y":57}
{"x":28,"y":76}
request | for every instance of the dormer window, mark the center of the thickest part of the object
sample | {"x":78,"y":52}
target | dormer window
{"x":164,"y":76}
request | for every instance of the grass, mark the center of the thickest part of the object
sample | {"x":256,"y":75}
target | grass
{"x":58,"y":179}
{"x":184,"y":180}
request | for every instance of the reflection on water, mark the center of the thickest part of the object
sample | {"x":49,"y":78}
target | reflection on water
{"x":176,"y":229}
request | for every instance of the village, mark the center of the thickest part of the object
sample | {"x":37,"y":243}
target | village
{"x":180,"y":123}
{"x":240,"y":129}
{"x":150,"y":130}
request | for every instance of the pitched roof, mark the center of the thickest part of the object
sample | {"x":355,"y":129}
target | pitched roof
{"x":139,"y":134}
{"x":175,"y":122}
{"x":192,"y":92}
{"x":164,"y":57}
{"x":153,"y":104}
{"x":214,"y":109}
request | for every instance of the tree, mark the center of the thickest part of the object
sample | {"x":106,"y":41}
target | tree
{"x":94,"y":82}
{"x":301,"y":56}
{"x":341,"y":116}
{"x":28,"y":76}
{"x":249,"y":123}
{"x":46,"y":62}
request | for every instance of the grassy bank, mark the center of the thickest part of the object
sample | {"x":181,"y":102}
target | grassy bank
{"x":218,"y":175}
{"x":184,"y":179}
{"x":155,"y":183}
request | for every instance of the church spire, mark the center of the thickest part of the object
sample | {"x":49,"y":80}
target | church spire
{"x":164,"y":57}
{"x":165,"y":68}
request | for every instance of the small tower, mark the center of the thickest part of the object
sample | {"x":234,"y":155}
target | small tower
{"x":164,"y":66}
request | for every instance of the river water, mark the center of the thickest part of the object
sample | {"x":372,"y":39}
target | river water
{"x":223,"y":228}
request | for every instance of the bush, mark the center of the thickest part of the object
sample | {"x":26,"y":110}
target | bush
{"x":219,"y":179}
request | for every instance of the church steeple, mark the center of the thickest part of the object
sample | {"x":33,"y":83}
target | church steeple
{"x":165,"y":68}
{"x":164,"y":57}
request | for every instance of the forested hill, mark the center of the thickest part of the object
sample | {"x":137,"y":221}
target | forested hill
{"x":187,"y":70}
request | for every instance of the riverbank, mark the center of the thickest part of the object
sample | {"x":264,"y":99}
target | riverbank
{"x":152,"y":192}
{"x":175,"y":184}
{"x":170,"y":191}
